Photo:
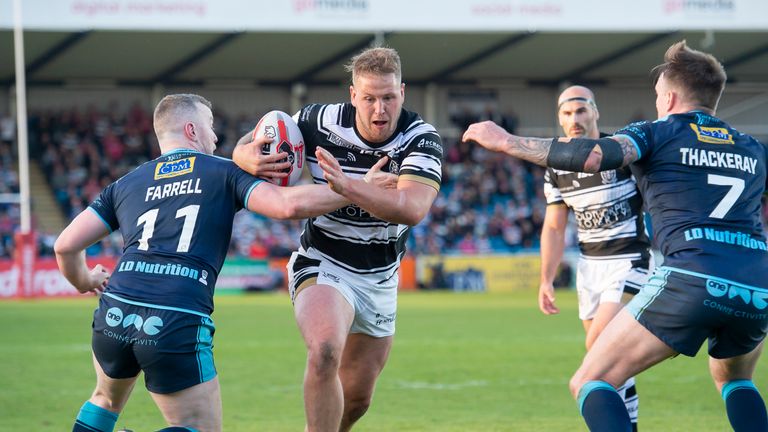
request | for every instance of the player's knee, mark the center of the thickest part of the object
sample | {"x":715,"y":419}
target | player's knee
{"x":324,"y":359}
{"x":102,"y":400}
{"x":575,"y":384}
{"x":355,"y":409}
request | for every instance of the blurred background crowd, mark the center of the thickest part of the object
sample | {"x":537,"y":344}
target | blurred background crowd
{"x":488,"y":203}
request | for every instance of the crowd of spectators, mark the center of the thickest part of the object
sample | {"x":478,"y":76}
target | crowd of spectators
{"x":488,"y":203}
{"x":9,"y":186}
{"x":82,"y":151}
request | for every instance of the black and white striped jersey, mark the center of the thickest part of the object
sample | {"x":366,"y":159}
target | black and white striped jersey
{"x":351,"y":237}
{"x":607,"y":207}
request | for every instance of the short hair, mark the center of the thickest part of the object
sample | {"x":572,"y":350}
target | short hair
{"x":375,"y":60}
{"x":588,"y":97}
{"x":175,"y":107}
{"x":698,"y":74}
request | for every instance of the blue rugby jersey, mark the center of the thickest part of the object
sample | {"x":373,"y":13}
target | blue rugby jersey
{"x":175,"y":214}
{"x":702,"y":182}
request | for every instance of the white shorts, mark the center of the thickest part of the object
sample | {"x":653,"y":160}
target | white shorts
{"x":373,"y":296}
{"x":606,"y":280}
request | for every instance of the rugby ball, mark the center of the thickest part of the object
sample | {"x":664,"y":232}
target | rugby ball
{"x":286,"y":138}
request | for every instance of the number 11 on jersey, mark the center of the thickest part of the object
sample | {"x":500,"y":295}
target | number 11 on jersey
{"x":189,"y":213}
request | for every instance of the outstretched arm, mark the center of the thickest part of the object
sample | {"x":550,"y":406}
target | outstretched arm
{"x":83,"y":231}
{"x":407,"y":204}
{"x":303,"y":201}
{"x":294,"y":202}
{"x":582,"y":154}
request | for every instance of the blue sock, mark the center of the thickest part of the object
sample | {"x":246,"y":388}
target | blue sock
{"x":602,"y":408}
{"x":745,"y":406}
{"x":92,"y":418}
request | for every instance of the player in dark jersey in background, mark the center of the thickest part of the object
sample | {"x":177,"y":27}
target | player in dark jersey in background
{"x":615,"y":254}
{"x":702,"y":182}
{"x":175,"y":214}
{"x":343,"y":280}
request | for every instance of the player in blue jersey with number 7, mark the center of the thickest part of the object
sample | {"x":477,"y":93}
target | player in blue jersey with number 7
{"x":175,"y":214}
{"x":702,"y":182}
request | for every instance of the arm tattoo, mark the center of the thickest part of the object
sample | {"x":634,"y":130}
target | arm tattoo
{"x":628,"y":149}
{"x":533,"y":150}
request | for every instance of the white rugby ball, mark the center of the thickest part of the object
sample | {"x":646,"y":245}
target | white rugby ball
{"x":286,"y":138}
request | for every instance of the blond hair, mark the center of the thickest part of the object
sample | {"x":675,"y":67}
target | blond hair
{"x":376,"y":61}
{"x":176,"y":108}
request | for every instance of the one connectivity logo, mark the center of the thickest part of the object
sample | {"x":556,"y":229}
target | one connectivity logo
{"x":151,"y":326}
{"x":174,"y":168}
{"x":759,"y":299}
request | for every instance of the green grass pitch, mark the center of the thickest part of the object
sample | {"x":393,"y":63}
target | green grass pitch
{"x":460,"y":362}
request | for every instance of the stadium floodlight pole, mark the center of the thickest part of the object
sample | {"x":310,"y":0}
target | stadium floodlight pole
{"x":21,"y":118}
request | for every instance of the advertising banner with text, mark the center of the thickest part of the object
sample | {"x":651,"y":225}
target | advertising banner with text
{"x":479,"y":272}
{"x":370,"y":16}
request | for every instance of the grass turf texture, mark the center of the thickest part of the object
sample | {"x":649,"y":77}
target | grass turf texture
{"x":460,"y":362}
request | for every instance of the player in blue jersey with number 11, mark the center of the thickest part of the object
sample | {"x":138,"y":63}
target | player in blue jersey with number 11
{"x":175,"y":214}
{"x":702,"y":182}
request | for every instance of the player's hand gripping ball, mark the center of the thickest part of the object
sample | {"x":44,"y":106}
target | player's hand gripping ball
{"x":286,"y":138}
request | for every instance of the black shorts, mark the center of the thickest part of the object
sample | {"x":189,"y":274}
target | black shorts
{"x":172,"y":346}
{"x":684,"y":308}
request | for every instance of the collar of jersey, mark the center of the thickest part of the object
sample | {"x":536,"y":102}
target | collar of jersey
{"x":692,"y":112}
{"x":184,"y":150}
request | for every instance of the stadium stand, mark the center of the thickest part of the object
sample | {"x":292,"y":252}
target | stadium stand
{"x":9,"y":184}
{"x":488,"y":203}
{"x":9,"y":212}
{"x":83,"y":150}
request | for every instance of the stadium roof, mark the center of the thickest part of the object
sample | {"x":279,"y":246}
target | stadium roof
{"x":146,"y":58}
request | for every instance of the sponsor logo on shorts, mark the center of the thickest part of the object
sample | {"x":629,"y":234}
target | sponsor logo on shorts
{"x":174,"y":168}
{"x":385,"y":318}
{"x":150,"y":326}
{"x":332,"y":277}
{"x":720,"y":289}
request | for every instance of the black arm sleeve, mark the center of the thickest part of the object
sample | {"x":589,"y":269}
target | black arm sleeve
{"x":613,"y":156}
{"x":571,"y":156}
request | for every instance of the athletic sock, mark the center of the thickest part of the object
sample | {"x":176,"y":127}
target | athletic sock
{"x":93,"y":418}
{"x":602,"y":408}
{"x":628,"y":393}
{"x":745,"y":406}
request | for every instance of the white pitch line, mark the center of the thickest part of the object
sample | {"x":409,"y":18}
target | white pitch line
{"x":422,"y":385}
